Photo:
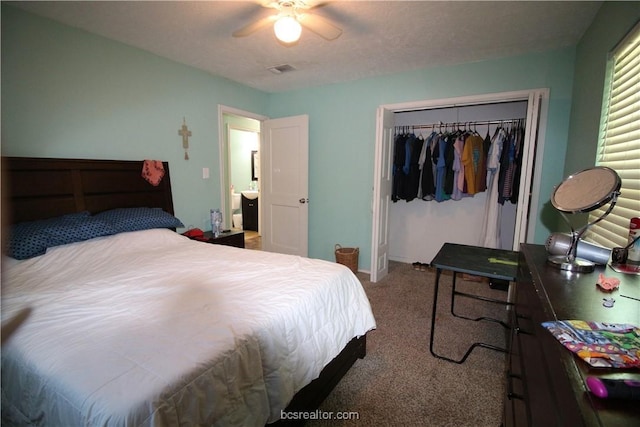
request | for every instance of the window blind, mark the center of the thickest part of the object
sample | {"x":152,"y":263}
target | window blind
{"x":619,"y":141}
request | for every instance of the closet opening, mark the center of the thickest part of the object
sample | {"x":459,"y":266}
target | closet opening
{"x":412,"y":220}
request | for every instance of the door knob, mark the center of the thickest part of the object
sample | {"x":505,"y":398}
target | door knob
{"x":303,"y":200}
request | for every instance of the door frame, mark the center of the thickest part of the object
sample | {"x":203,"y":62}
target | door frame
{"x":528,"y":201}
{"x":223,"y":150}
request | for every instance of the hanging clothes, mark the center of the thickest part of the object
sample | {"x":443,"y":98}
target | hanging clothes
{"x":515,"y":193}
{"x":482,"y":176}
{"x":449,"y":157}
{"x":507,"y":162}
{"x":413,"y":179}
{"x":453,"y":164}
{"x":458,"y":168}
{"x":474,"y":160}
{"x":406,"y":171}
{"x":440,"y":162}
{"x":511,"y":163}
{"x":490,"y":233}
{"x":427,"y":187}
{"x":399,"y":177}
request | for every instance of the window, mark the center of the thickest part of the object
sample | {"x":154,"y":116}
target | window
{"x":619,"y":141}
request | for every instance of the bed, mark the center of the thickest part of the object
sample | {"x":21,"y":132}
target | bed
{"x":145,"y":327}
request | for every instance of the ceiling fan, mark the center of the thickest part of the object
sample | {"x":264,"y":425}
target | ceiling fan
{"x":291,"y":16}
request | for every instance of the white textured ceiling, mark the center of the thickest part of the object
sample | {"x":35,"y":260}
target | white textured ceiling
{"x":379,"y":37}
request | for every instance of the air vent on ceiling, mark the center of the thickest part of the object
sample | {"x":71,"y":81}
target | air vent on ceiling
{"x":279,"y":69}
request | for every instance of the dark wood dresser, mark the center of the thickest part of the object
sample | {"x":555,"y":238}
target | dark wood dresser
{"x":545,"y":381}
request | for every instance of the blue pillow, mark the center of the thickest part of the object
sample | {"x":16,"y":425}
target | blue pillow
{"x":135,"y":219}
{"x":30,"y":239}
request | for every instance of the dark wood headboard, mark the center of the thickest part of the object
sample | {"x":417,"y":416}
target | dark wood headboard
{"x":38,"y":188}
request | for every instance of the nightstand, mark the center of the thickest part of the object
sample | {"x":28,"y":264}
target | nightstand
{"x":230,"y":238}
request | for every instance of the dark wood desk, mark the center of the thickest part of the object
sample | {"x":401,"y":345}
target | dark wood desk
{"x":545,"y":381}
{"x":492,"y":263}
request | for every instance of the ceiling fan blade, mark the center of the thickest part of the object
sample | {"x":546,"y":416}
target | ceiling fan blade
{"x":320,"y":26}
{"x":255,"y":26}
{"x":312,"y":4}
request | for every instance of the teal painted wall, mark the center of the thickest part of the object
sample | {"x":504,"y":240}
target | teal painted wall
{"x":68,"y":93}
{"x":342,"y":136}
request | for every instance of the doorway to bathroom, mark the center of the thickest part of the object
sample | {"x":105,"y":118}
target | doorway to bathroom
{"x":281,"y":169}
{"x":240,"y":154}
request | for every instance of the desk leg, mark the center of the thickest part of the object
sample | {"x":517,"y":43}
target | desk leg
{"x":433,"y":324}
{"x":433,"y":313}
{"x":454,"y":292}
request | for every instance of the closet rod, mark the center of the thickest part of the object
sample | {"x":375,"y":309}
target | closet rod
{"x":454,"y":124}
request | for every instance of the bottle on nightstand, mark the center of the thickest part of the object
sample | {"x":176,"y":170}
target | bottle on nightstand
{"x":216,"y":222}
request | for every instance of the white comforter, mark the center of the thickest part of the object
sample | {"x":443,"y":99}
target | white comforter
{"x":152,"y":329}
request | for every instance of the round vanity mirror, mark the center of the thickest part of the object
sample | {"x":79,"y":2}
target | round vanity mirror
{"x":583,"y":192}
{"x":586,"y":190}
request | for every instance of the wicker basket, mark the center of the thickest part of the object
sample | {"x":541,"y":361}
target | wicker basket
{"x":348,"y":257}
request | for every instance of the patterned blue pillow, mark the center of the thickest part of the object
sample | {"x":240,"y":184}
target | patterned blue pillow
{"x":30,"y":239}
{"x":134,"y":219}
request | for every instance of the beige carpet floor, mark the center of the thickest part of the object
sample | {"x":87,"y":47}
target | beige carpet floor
{"x":399,"y":382}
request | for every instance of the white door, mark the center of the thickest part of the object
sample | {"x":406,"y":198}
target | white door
{"x":382,"y":194}
{"x":284,"y":190}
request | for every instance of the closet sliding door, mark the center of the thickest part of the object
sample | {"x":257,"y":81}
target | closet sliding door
{"x":530,"y":181}
{"x":382,"y":193}
{"x":414,"y":231}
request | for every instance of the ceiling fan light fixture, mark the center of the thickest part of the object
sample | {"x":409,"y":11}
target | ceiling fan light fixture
{"x":287,"y":29}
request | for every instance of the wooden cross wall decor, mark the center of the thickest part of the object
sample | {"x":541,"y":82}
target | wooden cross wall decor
{"x":185,"y":133}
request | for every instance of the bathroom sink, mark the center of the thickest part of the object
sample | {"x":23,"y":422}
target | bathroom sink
{"x":250,"y":194}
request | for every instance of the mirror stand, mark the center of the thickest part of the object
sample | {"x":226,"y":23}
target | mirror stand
{"x":570,"y":261}
{"x":582,"y":193}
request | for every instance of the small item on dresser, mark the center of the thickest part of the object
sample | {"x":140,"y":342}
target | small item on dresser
{"x":633,"y":256}
{"x":601,"y":345}
{"x":619,"y":255}
{"x":614,"y":389}
{"x":607,"y":284}
{"x":626,"y":268}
